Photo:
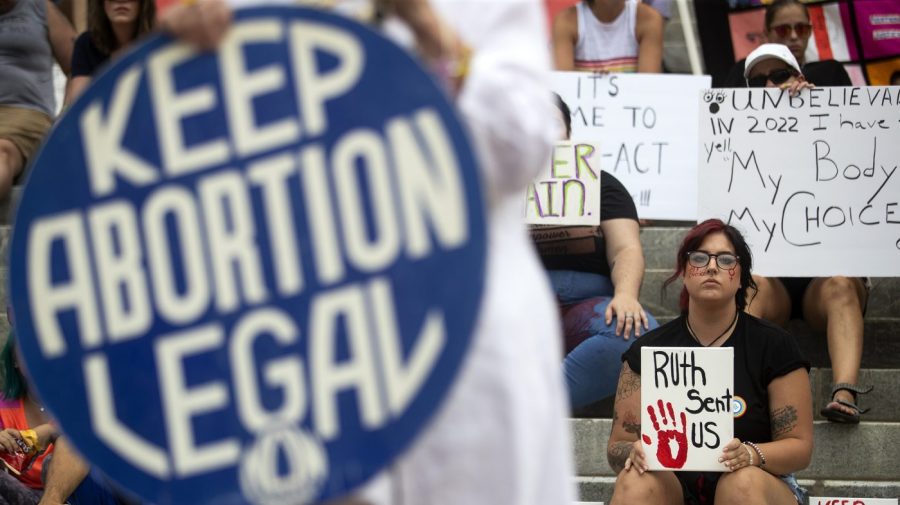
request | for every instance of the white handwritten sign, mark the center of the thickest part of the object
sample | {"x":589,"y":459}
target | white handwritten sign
{"x":852,"y":501}
{"x":568,"y":193}
{"x":647,"y":125}
{"x":686,"y":399}
{"x":811,"y":180}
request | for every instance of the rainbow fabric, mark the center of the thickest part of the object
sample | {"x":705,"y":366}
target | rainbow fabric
{"x":617,"y":65}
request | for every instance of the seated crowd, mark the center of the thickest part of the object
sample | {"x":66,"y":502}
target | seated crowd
{"x":595,"y":272}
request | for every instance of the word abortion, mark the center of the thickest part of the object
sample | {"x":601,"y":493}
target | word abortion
{"x":371,"y":198}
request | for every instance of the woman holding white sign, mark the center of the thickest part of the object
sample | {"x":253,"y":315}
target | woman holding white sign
{"x":831,"y":304}
{"x":771,"y":403}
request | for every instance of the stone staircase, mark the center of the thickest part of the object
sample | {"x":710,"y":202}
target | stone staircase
{"x":853,"y":461}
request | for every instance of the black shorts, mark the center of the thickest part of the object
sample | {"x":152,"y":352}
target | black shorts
{"x":796,"y":288}
{"x":698,"y":488}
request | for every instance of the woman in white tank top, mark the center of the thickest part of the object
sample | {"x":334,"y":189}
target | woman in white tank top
{"x":608,"y":36}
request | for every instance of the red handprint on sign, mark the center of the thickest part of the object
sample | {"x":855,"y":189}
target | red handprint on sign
{"x":665,"y":435}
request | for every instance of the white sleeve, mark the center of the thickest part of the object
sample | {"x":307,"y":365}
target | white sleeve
{"x":505,"y":101}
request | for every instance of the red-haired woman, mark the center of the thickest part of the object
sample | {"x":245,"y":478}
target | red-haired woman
{"x":774,"y":434}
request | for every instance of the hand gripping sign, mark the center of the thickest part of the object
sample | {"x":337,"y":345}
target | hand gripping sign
{"x":251,"y":275}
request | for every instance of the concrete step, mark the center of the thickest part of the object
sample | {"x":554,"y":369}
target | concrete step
{"x":869,"y":451}
{"x":882,"y":400}
{"x":599,"y":489}
{"x":660,"y":244}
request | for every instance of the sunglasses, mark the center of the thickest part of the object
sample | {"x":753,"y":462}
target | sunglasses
{"x":724,"y":261}
{"x":784,"y":31}
{"x":777,"y":77}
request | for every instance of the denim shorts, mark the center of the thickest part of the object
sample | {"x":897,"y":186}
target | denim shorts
{"x":695,"y":484}
{"x":800,"y":493}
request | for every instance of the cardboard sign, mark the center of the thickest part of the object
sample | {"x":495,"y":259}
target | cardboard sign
{"x":852,"y":501}
{"x":647,"y":129}
{"x":686,"y":406}
{"x":251,"y":276}
{"x":812,"y":180}
{"x":568,"y":193}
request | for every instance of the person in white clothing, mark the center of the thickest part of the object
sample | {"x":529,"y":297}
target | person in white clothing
{"x":501,"y":436}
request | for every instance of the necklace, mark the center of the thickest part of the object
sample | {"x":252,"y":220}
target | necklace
{"x":691,"y":330}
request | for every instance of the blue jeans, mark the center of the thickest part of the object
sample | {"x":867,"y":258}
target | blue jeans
{"x":593,"y":351}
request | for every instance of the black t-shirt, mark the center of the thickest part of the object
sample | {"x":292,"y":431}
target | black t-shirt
{"x":86,"y":58}
{"x":582,"y":248}
{"x":820,"y":73}
{"x":762,"y":352}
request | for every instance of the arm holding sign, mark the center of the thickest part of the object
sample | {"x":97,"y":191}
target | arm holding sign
{"x":625,"y":452}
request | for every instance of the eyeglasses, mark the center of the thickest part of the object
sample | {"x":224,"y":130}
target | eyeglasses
{"x":777,"y":77}
{"x":699,"y":259}
{"x":784,"y":31}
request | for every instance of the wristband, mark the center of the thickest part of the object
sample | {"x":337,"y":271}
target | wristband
{"x":762,"y":459}
{"x":749,"y":453}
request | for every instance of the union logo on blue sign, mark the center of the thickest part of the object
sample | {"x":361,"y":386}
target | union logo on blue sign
{"x":251,"y":275}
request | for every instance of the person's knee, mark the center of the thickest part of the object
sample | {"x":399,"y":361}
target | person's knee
{"x":742,"y":486}
{"x":632,"y":487}
{"x":10,"y":159}
{"x":759,"y":300}
{"x":840,"y":291}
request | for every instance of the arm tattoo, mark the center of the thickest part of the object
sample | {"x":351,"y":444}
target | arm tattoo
{"x":616,"y":455}
{"x":631,"y":425}
{"x":783,"y":420}
{"x":629,"y":382}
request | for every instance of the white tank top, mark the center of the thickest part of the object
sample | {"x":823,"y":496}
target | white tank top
{"x":606,"y":47}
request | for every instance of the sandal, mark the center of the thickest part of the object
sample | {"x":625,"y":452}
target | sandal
{"x":837,"y":415}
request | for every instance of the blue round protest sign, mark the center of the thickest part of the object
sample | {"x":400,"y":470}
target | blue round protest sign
{"x":250,"y":276}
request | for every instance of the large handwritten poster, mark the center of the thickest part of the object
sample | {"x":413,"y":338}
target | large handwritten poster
{"x":647,"y":128}
{"x":686,"y":406}
{"x":811,"y":180}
